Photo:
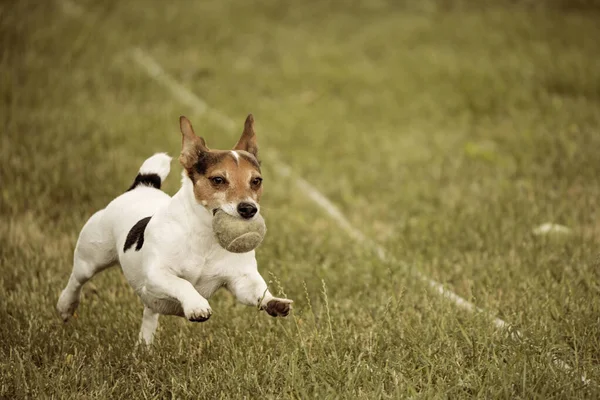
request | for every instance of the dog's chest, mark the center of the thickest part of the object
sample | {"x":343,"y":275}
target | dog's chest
{"x":207,"y":271}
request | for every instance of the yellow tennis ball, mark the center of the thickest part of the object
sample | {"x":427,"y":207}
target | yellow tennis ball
{"x":236,"y":234}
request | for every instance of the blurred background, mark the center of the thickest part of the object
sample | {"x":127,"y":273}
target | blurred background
{"x":445,"y":131}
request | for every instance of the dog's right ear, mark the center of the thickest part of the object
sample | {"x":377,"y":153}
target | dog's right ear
{"x":192,"y":146}
{"x":248,"y":140}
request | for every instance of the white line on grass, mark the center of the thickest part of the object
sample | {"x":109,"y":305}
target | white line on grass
{"x":179,"y":92}
{"x":185,"y":96}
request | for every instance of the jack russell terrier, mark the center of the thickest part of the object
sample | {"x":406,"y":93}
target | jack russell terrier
{"x":166,"y":246}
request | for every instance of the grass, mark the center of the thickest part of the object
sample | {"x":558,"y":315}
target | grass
{"x":444,"y":130}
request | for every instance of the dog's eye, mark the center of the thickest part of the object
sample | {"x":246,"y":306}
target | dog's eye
{"x":217,"y":180}
{"x":256,"y":182}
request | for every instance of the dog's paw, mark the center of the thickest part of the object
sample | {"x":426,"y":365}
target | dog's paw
{"x":278,"y":307}
{"x":66,"y":306}
{"x":198,"y":312}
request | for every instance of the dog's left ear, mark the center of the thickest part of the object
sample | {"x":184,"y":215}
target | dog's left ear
{"x":192,"y":146}
{"x":248,"y":140}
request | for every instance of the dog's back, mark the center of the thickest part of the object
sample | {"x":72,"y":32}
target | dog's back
{"x":127,"y":215}
{"x":121,"y":224}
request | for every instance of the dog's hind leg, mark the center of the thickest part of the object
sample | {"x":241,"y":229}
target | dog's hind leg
{"x":95,"y":251}
{"x":149,"y":325}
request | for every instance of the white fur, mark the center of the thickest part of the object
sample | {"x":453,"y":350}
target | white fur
{"x":180,"y":264}
{"x":231,"y":208}
{"x":159,"y":164}
{"x":235,"y":156}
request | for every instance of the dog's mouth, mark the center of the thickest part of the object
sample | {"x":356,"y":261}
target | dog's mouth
{"x":234,"y":212}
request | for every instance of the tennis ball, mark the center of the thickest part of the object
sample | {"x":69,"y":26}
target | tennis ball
{"x":238,"y":235}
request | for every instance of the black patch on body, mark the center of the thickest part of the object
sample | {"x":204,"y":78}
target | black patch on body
{"x":136,"y":235}
{"x":151,"y":180}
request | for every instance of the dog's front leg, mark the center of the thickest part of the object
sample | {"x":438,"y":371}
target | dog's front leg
{"x":163,"y":285}
{"x":250,"y":289}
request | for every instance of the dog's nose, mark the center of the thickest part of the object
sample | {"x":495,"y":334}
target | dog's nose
{"x":247,"y":210}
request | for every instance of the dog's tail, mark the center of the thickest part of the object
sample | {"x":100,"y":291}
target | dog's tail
{"x":153,"y":171}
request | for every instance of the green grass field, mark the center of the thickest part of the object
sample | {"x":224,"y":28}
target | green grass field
{"x":445,"y":131}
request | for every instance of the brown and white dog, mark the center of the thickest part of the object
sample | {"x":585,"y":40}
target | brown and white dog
{"x":166,"y":246}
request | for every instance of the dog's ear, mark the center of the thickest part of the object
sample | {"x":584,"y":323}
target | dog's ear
{"x":248,"y":140}
{"x":192,"y":146}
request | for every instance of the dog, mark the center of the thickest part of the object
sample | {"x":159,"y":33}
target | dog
{"x":165,"y":245}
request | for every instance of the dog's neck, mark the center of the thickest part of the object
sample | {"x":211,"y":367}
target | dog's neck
{"x":186,"y":210}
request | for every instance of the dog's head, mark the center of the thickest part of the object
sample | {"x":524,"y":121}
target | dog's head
{"x":229,"y":180}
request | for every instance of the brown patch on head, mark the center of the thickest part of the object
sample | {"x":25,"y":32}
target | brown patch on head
{"x":250,"y":158}
{"x":221,"y":177}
